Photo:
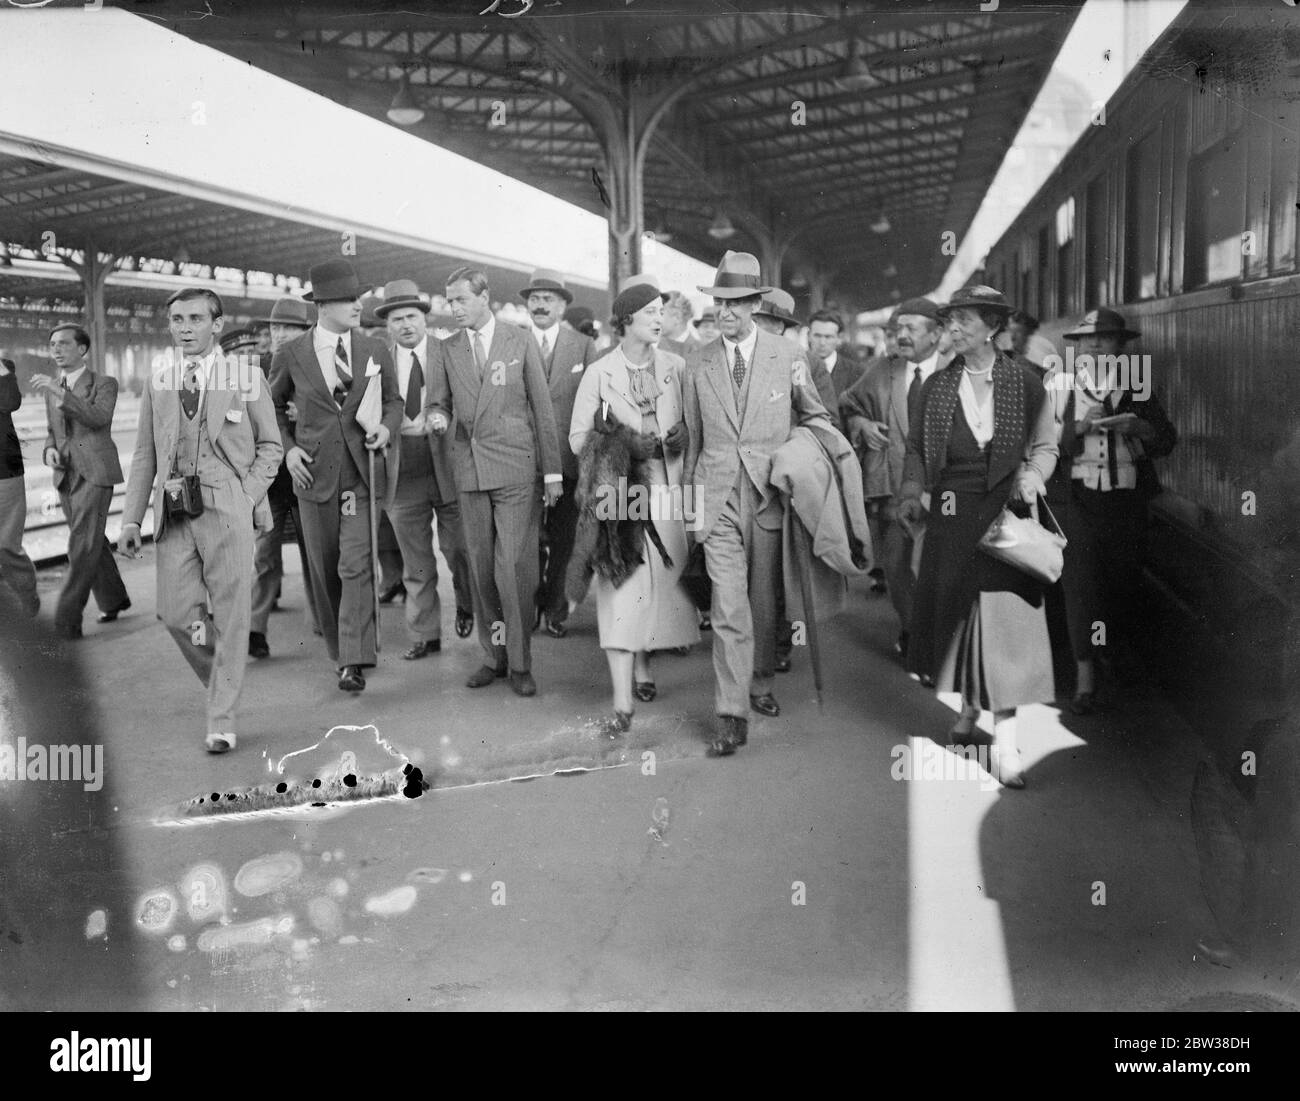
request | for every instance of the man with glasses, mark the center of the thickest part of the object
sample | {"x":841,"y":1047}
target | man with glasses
{"x":80,"y":450}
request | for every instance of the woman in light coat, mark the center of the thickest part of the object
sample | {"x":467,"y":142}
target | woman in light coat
{"x":639,"y":386}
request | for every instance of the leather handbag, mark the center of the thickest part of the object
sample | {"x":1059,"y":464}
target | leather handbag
{"x":1026,"y":543}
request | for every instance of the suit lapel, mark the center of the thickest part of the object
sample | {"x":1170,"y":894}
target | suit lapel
{"x":305,"y":348}
{"x":898,"y":395}
{"x":715,"y":369}
{"x":498,"y":352}
{"x":359,"y":379}
{"x":616,"y":373}
{"x":760,"y":374}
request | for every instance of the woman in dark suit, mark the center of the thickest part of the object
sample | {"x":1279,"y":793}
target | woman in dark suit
{"x":985,"y":435}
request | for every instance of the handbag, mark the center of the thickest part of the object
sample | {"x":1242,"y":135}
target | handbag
{"x":1027,"y":544}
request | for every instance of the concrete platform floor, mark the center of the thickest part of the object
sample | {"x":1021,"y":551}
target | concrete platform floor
{"x":840,"y":861}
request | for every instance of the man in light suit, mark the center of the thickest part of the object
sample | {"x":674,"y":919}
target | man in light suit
{"x":743,"y":394}
{"x":206,"y":420}
{"x":565,"y":355}
{"x":879,"y":409}
{"x":81,"y":451}
{"x":490,"y":378}
{"x":325,"y":373}
{"x":425,"y":482}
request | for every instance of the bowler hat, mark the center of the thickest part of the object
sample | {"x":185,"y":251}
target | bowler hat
{"x":544,"y":279}
{"x":921,"y":307}
{"x":978,"y":297}
{"x":779,"y":305}
{"x":1103,"y":322}
{"x":291,"y":311}
{"x":636,"y":292}
{"x":738,"y":276}
{"x":398,"y":294}
{"x":333,"y":281}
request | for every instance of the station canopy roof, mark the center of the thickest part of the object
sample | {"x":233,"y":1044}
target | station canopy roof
{"x":821,"y":121}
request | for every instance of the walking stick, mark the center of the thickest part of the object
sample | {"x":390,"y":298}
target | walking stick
{"x":374,"y":544}
{"x":803,"y":565}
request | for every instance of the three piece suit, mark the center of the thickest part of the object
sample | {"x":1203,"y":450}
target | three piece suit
{"x":230,"y":440}
{"x":735,"y":427}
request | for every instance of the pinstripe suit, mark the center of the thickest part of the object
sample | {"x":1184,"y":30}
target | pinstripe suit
{"x":504,"y":438}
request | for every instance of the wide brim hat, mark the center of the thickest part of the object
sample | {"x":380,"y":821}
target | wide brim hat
{"x":636,"y":292}
{"x":978,"y":297}
{"x":291,"y":311}
{"x":1103,"y":322}
{"x":333,"y":281}
{"x":399,"y":294}
{"x":544,"y":279}
{"x":739,"y":275}
{"x":778,"y":305}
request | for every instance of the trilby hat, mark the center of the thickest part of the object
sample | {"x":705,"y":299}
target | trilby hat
{"x":332,"y":281}
{"x":400,"y":293}
{"x":291,"y":311}
{"x":1103,"y":322}
{"x":780,"y":305}
{"x":544,"y":279}
{"x":739,"y":275}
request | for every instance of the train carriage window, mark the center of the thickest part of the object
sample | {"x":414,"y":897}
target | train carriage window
{"x":1216,"y":212}
{"x":1044,"y":239}
{"x":1064,"y":255}
{"x":1283,"y":195}
{"x":1142,"y":218}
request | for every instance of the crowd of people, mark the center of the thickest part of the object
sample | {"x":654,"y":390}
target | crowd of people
{"x":654,"y":470}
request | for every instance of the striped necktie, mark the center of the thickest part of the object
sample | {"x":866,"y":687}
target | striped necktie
{"x":343,"y":370}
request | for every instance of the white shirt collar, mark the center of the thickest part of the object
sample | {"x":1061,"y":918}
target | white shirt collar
{"x":831,"y":360}
{"x":487,"y":332}
{"x":927,"y":365}
{"x":746,"y":347}
{"x":549,"y":336}
{"x":323,"y":339}
{"x":73,"y":377}
{"x":402,"y":355}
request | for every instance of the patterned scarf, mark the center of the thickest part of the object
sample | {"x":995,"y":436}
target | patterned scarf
{"x":1010,"y":425}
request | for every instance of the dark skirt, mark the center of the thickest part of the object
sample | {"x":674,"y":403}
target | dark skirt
{"x":978,"y":625}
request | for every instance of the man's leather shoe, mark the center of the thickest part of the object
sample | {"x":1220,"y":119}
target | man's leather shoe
{"x":464,"y":623}
{"x":257,"y":647}
{"x":392,"y":593}
{"x":219,"y":743}
{"x":350,"y":678}
{"x":425,"y":646}
{"x":556,"y":630}
{"x":783,"y":663}
{"x":765,"y":705}
{"x":522,"y":684}
{"x":729,"y":732}
{"x":483,"y":676}
{"x":111,"y":615}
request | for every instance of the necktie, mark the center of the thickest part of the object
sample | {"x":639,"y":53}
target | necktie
{"x":343,"y":370}
{"x":413,"y":387}
{"x":67,"y":420}
{"x":1112,"y":460}
{"x":190,"y":392}
{"x":544,"y":340}
{"x":914,"y":395}
{"x":480,"y":357}
{"x":738,"y":368}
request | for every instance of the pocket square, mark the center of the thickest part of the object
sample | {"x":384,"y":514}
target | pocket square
{"x":776,"y":395}
{"x":515,"y":362}
{"x":577,"y":368}
{"x":234,"y":415}
{"x":372,"y":368}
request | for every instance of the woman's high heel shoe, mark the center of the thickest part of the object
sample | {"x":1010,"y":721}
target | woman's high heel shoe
{"x":618,"y":723}
{"x":1006,"y":767}
{"x":644,"y":690}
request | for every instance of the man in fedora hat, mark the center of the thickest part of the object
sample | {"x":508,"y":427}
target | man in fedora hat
{"x":325,"y":373}
{"x":565,"y":354}
{"x":879,"y":409}
{"x":426,"y":485}
{"x":207,"y":449}
{"x":289,"y":318}
{"x":1112,"y":425}
{"x":490,"y":378}
{"x":742,"y":394}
